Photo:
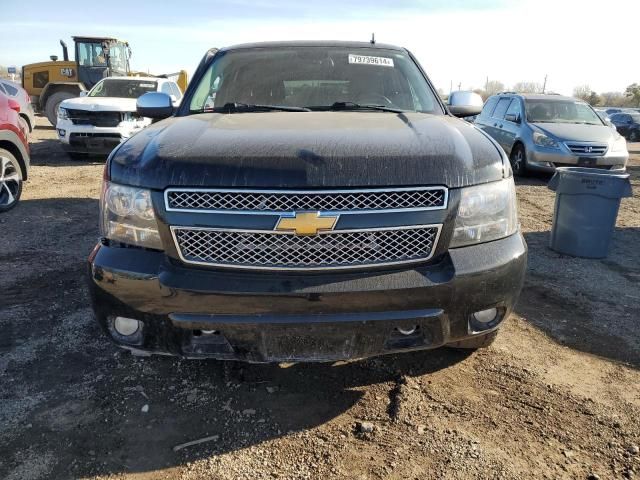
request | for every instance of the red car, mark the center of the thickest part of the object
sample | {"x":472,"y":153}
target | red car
{"x":14,"y":153}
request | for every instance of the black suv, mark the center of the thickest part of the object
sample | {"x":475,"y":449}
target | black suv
{"x":306,"y":202}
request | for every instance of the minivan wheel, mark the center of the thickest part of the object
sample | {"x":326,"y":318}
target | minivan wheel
{"x":10,"y":181}
{"x":518,"y":160}
{"x":633,"y":136}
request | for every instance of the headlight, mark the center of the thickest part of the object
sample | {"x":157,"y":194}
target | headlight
{"x":128,"y":217}
{"x":486,"y":212}
{"x":542,"y":140}
{"x":130,"y":117}
{"x":619,"y":145}
{"x":62,"y":113}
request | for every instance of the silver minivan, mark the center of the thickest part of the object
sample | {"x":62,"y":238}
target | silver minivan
{"x":542,"y":132}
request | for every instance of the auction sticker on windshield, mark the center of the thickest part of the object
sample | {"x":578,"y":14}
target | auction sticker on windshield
{"x":366,"y":60}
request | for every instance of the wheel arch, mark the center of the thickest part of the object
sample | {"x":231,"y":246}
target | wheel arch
{"x":25,"y":117}
{"x":17,"y":153}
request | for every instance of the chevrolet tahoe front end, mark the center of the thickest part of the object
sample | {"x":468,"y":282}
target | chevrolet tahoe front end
{"x":306,"y":230}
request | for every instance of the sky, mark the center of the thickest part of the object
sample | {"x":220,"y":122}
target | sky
{"x":459,"y":42}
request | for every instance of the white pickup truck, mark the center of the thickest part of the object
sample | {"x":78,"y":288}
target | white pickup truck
{"x":98,"y":121}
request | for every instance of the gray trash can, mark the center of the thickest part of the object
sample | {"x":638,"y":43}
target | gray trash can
{"x":587,"y":202}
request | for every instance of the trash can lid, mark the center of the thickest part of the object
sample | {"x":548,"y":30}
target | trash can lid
{"x":591,"y":171}
{"x":591,"y":181}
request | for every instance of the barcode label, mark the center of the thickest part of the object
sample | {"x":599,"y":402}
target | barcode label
{"x":366,"y":60}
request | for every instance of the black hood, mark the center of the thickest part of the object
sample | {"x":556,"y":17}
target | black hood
{"x":307,"y":150}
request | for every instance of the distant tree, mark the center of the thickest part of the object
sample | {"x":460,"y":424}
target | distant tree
{"x":583,"y":92}
{"x":633,"y":94}
{"x":527,"y":87}
{"x":613,"y":99}
{"x":594,"y":99}
{"x":493,"y":86}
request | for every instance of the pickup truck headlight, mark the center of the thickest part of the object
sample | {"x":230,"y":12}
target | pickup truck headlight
{"x":486,"y":212}
{"x":542,"y":140}
{"x":128,"y":217}
{"x":62,"y":113}
{"x":130,"y":117}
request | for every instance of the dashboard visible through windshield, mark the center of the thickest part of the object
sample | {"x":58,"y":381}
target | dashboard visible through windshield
{"x":555,"y":111}
{"x":122,"y":88}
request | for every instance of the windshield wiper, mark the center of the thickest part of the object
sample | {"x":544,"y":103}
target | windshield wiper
{"x":235,"y":107}
{"x":356,"y":106}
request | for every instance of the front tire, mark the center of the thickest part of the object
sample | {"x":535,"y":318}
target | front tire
{"x":53,"y":102}
{"x":10,"y":181}
{"x":634,"y":136}
{"x":473,"y":343}
{"x":518,"y":160}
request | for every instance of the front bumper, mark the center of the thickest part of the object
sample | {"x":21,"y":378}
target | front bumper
{"x":91,"y":139}
{"x":544,"y":159}
{"x":277,"y":317}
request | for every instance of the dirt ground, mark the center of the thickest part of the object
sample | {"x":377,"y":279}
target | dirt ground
{"x":557,"y":395}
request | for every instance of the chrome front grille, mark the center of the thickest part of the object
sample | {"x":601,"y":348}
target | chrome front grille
{"x":264,"y":201}
{"x":333,"y":249}
{"x":587,"y":149}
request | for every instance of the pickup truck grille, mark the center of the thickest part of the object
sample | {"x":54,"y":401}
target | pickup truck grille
{"x":587,"y":149}
{"x":263,"y":201}
{"x":333,"y":249}
{"x":97,"y":119}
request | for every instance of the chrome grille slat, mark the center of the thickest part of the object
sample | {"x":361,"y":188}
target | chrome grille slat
{"x":334,"y":249}
{"x":263,"y":201}
{"x":586,"y":149}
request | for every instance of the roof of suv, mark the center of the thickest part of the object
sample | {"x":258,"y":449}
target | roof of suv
{"x":542,"y":96}
{"x":304,"y":43}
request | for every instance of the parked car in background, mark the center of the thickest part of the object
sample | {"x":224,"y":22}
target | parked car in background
{"x":20,"y":95}
{"x":605,"y":118}
{"x":611,"y":111}
{"x":308,"y":201}
{"x":106,"y":115}
{"x":14,"y":153}
{"x":542,"y":132}
{"x":628,"y":125}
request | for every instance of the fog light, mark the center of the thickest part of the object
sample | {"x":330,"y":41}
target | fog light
{"x":126,"y":326}
{"x":62,"y":132}
{"x":486,"y":316}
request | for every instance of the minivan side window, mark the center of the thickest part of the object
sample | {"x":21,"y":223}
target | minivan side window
{"x":501,"y":108}
{"x":514,"y":108}
{"x":487,"y":110}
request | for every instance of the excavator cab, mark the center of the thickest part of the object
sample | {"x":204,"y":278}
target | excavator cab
{"x":98,"y":58}
{"x":49,"y":83}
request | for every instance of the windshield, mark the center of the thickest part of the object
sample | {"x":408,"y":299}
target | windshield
{"x":122,"y":88}
{"x":558,"y":111}
{"x":315,"y":78}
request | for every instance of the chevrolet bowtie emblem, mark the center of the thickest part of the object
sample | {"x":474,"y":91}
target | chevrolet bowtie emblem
{"x":309,"y":223}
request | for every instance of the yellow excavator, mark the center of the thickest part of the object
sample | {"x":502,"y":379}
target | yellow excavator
{"x":49,"y":83}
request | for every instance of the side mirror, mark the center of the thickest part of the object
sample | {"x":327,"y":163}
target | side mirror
{"x":13,"y":105}
{"x":154,"y":105}
{"x":465,"y":104}
{"x":83,"y":93}
{"x":512,"y":117}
